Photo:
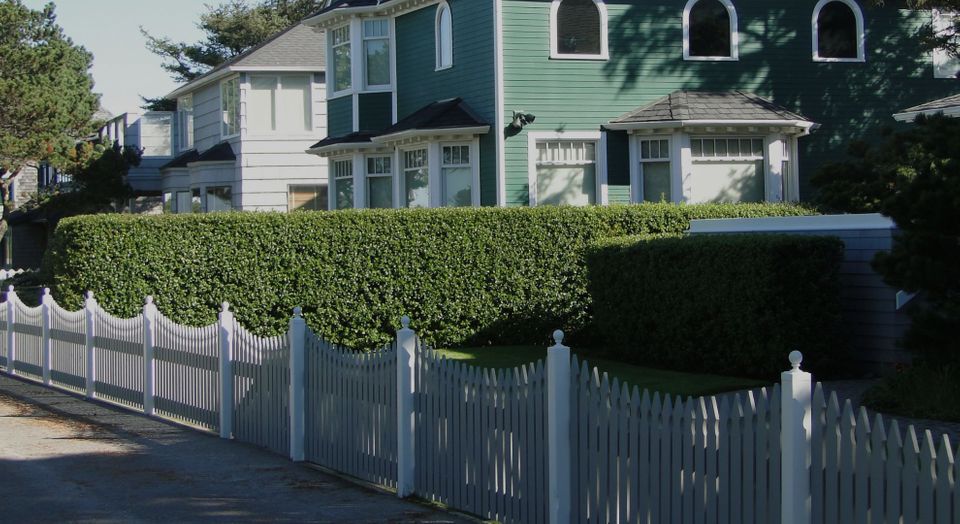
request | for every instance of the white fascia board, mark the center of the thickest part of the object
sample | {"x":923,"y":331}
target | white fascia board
{"x":336,"y":149}
{"x":420,"y":133}
{"x":340,"y":15}
{"x":212,"y":163}
{"x":868,"y":221}
{"x":227,"y":71}
{"x":910,"y":116}
{"x":803,"y":125}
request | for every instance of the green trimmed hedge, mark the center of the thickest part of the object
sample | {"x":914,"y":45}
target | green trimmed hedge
{"x":465,"y":276}
{"x":727,"y":304}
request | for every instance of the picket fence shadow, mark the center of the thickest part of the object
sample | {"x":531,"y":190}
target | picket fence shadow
{"x":552,"y":441}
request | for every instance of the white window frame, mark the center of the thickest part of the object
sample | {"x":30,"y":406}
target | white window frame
{"x":734,"y":34}
{"x":861,"y":37}
{"x":944,"y":65}
{"x":212,"y":188}
{"x":575,"y":136}
{"x":474,"y":166}
{"x":292,"y":187}
{"x":729,"y":158}
{"x":334,"y":179}
{"x":277,"y":107}
{"x":554,"y":30}
{"x":363,"y":53}
{"x":185,"y":133}
{"x":224,"y":132}
{"x":669,"y":160}
{"x":440,"y":66}
{"x":367,"y":175}
{"x":332,"y":74}
{"x":402,"y":170}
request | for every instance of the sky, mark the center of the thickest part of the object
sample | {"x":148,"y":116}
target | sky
{"x":123,"y":69}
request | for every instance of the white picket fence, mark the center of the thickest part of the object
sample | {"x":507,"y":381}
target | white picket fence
{"x":6,"y":274}
{"x":554,"y":441}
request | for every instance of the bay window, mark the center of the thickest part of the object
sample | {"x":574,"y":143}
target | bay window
{"x":655,"y":170}
{"x":379,"y":182}
{"x":566,"y":172}
{"x":230,"y":107}
{"x":219,"y":198}
{"x":416,"y":179}
{"x":726,"y":169}
{"x":184,"y":202}
{"x":456,"y":176}
{"x":185,"y":123}
{"x":340,"y":44}
{"x":343,"y":184}
{"x":376,"y":52}
{"x":279,"y":103}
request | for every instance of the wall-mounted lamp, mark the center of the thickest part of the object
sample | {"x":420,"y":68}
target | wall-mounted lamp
{"x":521,"y":119}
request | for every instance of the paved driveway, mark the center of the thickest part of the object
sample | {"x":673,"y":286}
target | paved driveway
{"x":66,"y":460}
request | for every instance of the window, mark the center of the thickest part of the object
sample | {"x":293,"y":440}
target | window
{"x":444,"y":36}
{"x":185,"y":123}
{"x":196,"y":205}
{"x":219,"y":198}
{"x":169,"y":203}
{"x":230,"y":106}
{"x":566,"y":173}
{"x":279,"y":103}
{"x":710,"y":30}
{"x":837,"y":31}
{"x":184,"y":202}
{"x":379,"y":182}
{"x":726,"y":170}
{"x":340,"y":43}
{"x":156,"y":134}
{"x":343,"y":184}
{"x":655,"y":170}
{"x":376,"y":52}
{"x":578,"y":29}
{"x":416,"y":178}
{"x":945,"y":64}
{"x":456,"y":176}
{"x":307,"y":198}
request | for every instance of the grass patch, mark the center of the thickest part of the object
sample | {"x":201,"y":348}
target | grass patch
{"x":673,"y":382}
{"x":920,"y":391}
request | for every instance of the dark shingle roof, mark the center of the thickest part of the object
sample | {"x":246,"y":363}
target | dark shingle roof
{"x":182,"y":160}
{"x":346,"y":4}
{"x":445,"y":114}
{"x":221,"y":152}
{"x":942,"y":103}
{"x":700,"y":105}
{"x":360,"y":137}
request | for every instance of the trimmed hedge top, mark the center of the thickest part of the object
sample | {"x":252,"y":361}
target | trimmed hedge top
{"x":471,"y":275}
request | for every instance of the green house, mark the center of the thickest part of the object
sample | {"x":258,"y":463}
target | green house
{"x":530,"y":102}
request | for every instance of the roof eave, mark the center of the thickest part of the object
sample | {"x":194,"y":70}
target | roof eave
{"x":419,"y":133}
{"x":910,"y":116}
{"x":342,"y":146}
{"x":804,"y":125}
{"x":191,"y":86}
{"x":331,"y":17}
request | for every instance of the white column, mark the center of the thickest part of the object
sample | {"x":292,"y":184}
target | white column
{"x":46,"y":301}
{"x":558,"y":430}
{"x":297,"y":334}
{"x":226,"y":371}
{"x":406,"y":458}
{"x":795,"y":408}
{"x":12,"y":300}
{"x":90,"y":311}
{"x":149,"y":366}
{"x":359,"y":181}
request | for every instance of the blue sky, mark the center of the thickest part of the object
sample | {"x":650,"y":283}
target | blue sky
{"x":122,"y":67}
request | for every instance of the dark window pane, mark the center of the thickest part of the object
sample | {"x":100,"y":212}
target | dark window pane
{"x":578,"y":28}
{"x":837,"y":31}
{"x":709,"y":29}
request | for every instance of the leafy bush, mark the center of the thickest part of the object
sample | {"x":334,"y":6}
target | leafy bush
{"x":921,"y":391}
{"x":474,"y":276}
{"x":733,"y":304}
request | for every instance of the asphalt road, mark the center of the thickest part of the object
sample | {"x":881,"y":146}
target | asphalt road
{"x":66,"y":460}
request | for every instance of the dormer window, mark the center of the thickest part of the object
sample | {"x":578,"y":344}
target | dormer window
{"x":578,"y":29}
{"x":838,"y":31}
{"x":444,"y":36}
{"x":710,"y":30}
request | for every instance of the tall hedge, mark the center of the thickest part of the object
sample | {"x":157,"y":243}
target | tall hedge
{"x":725,"y":304}
{"x":465,"y":276}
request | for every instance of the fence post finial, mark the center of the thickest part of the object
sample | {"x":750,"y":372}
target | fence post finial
{"x":796,"y":407}
{"x":406,"y":451}
{"x":10,"y":289}
{"x":149,"y":300}
{"x":225,"y":307}
{"x":226,"y":327}
{"x":559,"y":447}
{"x":298,"y":365}
{"x":89,"y":295}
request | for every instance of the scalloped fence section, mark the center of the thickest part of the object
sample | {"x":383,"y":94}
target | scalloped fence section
{"x":187,"y":368}
{"x":261,"y":386}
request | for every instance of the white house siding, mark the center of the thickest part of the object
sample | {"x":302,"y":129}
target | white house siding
{"x":206,"y":116}
{"x":146,"y":176}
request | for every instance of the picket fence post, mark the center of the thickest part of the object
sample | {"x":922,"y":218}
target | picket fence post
{"x":796,"y":413}
{"x":12,"y":300}
{"x":559,"y":450}
{"x":46,"y":301}
{"x":226,"y":371}
{"x":90,"y":312}
{"x":297,"y":334}
{"x":406,"y":457}
{"x":149,"y":367}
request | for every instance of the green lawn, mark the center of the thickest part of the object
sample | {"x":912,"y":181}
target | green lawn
{"x":673,"y":382}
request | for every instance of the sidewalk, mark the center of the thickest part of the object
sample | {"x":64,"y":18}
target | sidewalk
{"x":63,"y":459}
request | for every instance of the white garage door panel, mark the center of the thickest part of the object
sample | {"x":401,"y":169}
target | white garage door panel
{"x":726,"y":182}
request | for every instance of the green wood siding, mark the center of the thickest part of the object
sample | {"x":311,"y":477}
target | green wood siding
{"x":340,"y":116}
{"x":471,"y":77}
{"x":849,"y":100}
{"x":376,"y":111}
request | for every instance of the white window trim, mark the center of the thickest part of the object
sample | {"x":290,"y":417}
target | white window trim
{"x":223,"y":135}
{"x":331,"y":54}
{"x":474,"y":148}
{"x":734,"y":34}
{"x":604,"y":49}
{"x":436,"y":32}
{"x":374,"y":88}
{"x":861,"y":36}
{"x":401,"y":195}
{"x":639,"y":161}
{"x":186,"y":139}
{"x":333,"y":178}
{"x":367,"y":175}
{"x":543,"y":136}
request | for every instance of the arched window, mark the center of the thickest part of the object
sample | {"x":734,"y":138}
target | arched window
{"x":710,"y":30}
{"x":578,"y":29}
{"x":837,"y":31}
{"x":444,"y":36}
